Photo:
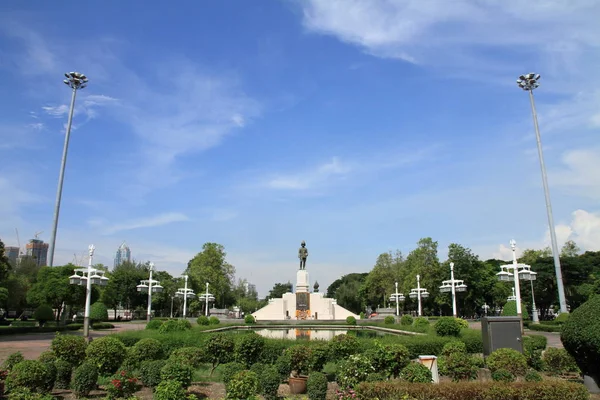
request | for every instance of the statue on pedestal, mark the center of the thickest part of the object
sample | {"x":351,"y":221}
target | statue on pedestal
{"x":303,"y":255}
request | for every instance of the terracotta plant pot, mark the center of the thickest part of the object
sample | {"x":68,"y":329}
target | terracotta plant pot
{"x":298,"y":384}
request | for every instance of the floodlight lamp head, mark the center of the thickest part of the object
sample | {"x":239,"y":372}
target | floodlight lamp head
{"x":513,"y":244}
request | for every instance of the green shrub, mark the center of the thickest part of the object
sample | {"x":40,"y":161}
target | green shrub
{"x":473,"y":340}
{"x":43,"y":314}
{"x":64,"y":370}
{"x":49,"y":358}
{"x":269,"y":381}
{"x":558,"y":361}
{"x":147,"y":349}
{"x":74,"y":326}
{"x":350,"y":320}
{"x":122,"y":385}
{"x":320,"y":354}
{"x":545,"y":328}
{"x":70,"y":348}
{"x":342,"y":346}
{"x":219,"y":349}
{"x":353,"y":371}
{"x":272,"y":350}
{"x":102,"y":325}
{"x":300,"y":356}
{"x":561,"y":318}
{"x":376,"y":377}
{"x":230,"y":369}
{"x":150,"y":372}
{"x":154,"y":324}
{"x":192,"y":356}
{"x":31,"y":374}
{"x":447,"y":326}
{"x":249,"y":319}
{"x":463,"y":324}
{"x":316,"y":386}
{"x":181,"y":373}
{"x":243,"y":385}
{"x":510,"y":310}
{"x":84,"y":379}
{"x":508,"y":359}
{"x":546,"y":390}
{"x":390,"y":359}
{"x":415,"y":372}
{"x":454,"y":347}
{"x":362,"y":315}
{"x":406,"y":320}
{"x":202,"y":320}
{"x":421,"y":324}
{"x":459,"y":367}
{"x":248,"y":349}
{"x":537,"y":342}
{"x":502,"y":375}
{"x":169,"y":390}
{"x":214,"y":321}
{"x":389,"y":320}
{"x":533,"y":376}
{"x":175,"y":325}
{"x":23,"y":393}
{"x":107,"y":353}
{"x":478,"y":360}
{"x":283,"y":364}
{"x":98,"y":312}
{"x":581,"y":337}
{"x":12,"y":360}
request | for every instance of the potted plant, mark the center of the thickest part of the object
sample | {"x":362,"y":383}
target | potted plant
{"x":300,"y":356}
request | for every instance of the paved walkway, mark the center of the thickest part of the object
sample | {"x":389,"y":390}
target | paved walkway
{"x":31,"y":345}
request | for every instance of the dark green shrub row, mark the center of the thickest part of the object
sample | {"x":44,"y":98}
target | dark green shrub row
{"x":545,"y":328}
{"x":103,"y":325}
{"x":546,"y":390}
{"x":20,"y":330}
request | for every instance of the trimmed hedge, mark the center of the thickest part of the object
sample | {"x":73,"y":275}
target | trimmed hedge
{"x":20,"y":330}
{"x":546,"y":390}
{"x":545,"y":328}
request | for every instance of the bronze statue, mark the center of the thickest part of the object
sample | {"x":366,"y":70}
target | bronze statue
{"x":303,"y":255}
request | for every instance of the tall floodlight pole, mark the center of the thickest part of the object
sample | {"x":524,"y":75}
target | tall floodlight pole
{"x":75,"y":81}
{"x":529,"y":82}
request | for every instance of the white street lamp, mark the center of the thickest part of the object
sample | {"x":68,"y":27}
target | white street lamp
{"x":206,"y":297}
{"x":397,"y":297}
{"x":506,"y":276}
{"x":529,"y":82}
{"x":89,"y":276}
{"x":419,"y":293}
{"x":75,"y":81}
{"x":185,"y":293}
{"x":149,"y":286}
{"x":453,"y":285}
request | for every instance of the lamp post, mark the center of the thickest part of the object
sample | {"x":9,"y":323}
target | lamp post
{"x":75,"y":81}
{"x":419,"y":293}
{"x":485,"y":308}
{"x":506,"y":276}
{"x":527,"y":274}
{"x":89,"y":276}
{"x":529,"y":82}
{"x":397,"y":297}
{"x":149,"y":286}
{"x":185,"y":293}
{"x":453,"y":285}
{"x":206,"y":297}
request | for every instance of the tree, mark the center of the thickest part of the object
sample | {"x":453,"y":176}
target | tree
{"x":210,"y":266}
{"x":5,"y":266}
{"x":344,"y":279}
{"x":570,"y":249}
{"x":122,"y":286}
{"x":423,"y":261}
{"x":380,"y":281}
{"x":279,"y":289}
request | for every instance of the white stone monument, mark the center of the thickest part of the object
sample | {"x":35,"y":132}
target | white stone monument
{"x":302,"y":305}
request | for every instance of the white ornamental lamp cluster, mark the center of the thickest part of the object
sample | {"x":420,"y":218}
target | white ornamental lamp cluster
{"x":149,"y":286}
{"x":185,"y":293}
{"x":397,"y":297}
{"x":207,"y":298}
{"x":519,"y":272}
{"x":419,"y":293}
{"x":87,"y":277}
{"x":453,"y":286}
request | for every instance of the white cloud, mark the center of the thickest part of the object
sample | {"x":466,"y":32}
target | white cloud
{"x":310,"y":178}
{"x":583,"y":229}
{"x":580,"y":173}
{"x":145,"y":222}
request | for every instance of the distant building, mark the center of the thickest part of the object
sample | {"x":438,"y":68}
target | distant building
{"x":38,"y":251}
{"x":250,"y":288}
{"x":123,"y":255}
{"x":12,"y":253}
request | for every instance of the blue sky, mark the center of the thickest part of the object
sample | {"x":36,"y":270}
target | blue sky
{"x":358,"y":126}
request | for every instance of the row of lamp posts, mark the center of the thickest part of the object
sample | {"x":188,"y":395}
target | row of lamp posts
{"x":520,"y":272}
{"x":91,"y":276}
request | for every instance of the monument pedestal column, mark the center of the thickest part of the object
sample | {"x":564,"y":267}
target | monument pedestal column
{"x":302,"y":295}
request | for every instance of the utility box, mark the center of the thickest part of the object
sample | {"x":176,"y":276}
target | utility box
{"x":501,"y":332}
